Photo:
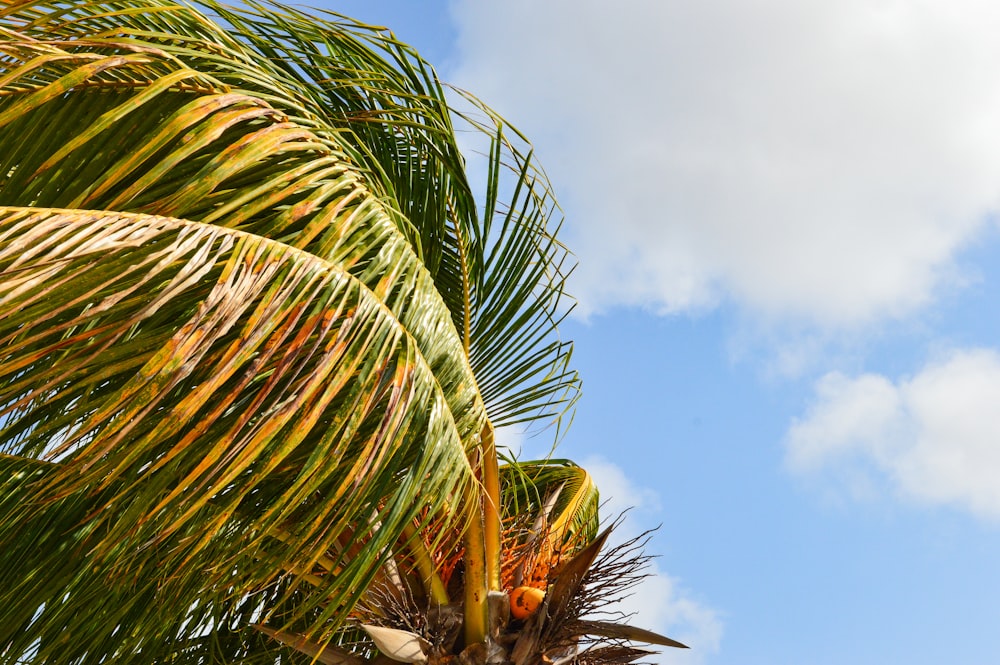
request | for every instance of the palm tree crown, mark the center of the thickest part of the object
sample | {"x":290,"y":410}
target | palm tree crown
{"x":256,"y":336}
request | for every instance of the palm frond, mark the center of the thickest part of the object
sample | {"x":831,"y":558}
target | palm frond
{"x":499,"y":267}
{"x":558,"y":490}
{"x":214,"y":411}
{"x":210,"y":154}
{"x":328,"y":93}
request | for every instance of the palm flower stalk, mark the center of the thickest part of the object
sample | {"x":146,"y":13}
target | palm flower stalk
{"x":256,"y":337}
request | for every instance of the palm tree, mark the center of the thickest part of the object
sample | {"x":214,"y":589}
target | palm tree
{"x":256,"y":338}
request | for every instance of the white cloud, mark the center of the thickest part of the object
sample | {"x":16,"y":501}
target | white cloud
{"x":618,"y":493}
{"x":660,"y":603}
{"x":824,"y":160}
{"x":934,"y":436}
{"x":512,"y":439}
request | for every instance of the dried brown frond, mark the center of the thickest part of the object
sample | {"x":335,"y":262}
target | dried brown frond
{"x":392,"y":606}
{"x":616,"y":571}
{"x":612,"y":655}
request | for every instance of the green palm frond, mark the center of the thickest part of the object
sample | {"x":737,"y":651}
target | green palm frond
{"x":216,"y":410}
{"x":499,"y":268}
{"x":366,"y":98}
{"x":212,"y":155}
{"x":557,"y":490}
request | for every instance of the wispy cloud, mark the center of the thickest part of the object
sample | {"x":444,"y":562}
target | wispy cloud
{"x":818,"y":160}
{"x":660,"y":603}
{"x":931,"y":437}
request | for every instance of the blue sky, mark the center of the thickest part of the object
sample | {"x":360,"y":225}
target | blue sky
{"x":785,"y":216}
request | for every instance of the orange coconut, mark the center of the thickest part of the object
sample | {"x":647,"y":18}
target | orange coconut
{"x":524,"y":601}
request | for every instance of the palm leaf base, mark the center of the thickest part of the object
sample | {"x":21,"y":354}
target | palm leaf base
{"x":574,"y":624}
